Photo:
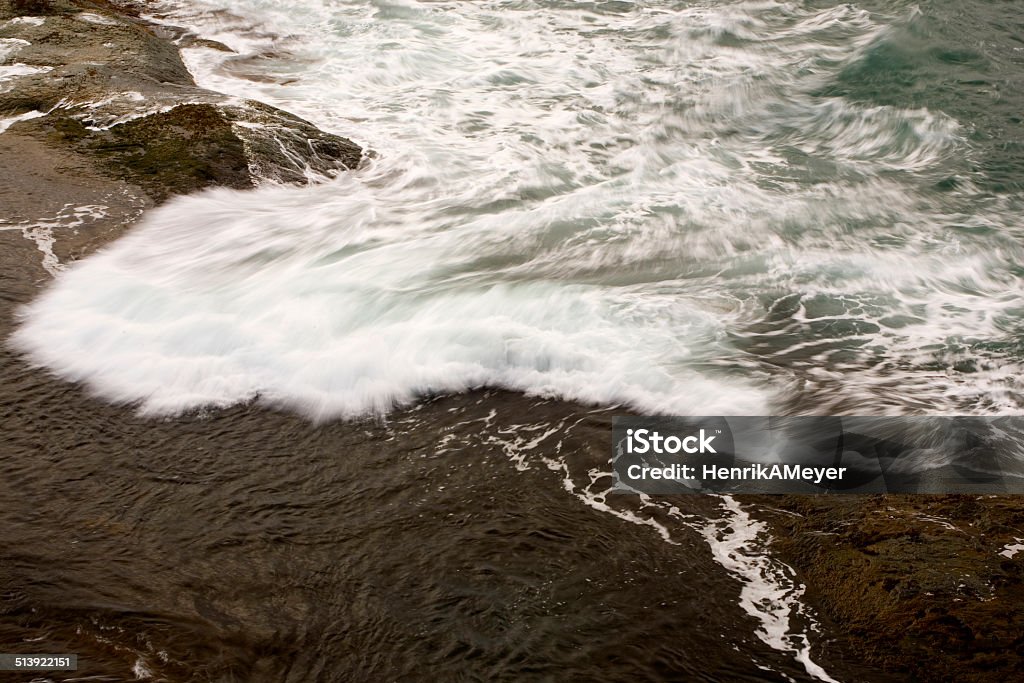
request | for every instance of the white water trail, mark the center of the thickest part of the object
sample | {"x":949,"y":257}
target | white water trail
{"x":227,"y":296}
{"x":565,"y":202}
{"x":769,"y":592}
{"x":739,"y":543}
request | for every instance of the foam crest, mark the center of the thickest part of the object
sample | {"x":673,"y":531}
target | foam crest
{"x":217,"y":299}
{"x":627,"y":203}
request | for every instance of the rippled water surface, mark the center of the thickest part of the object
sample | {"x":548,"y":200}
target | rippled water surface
{"x":728,"y":207}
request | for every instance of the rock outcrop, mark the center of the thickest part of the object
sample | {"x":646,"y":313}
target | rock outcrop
{"x":922,"y":588}
{"x":89,"y":87}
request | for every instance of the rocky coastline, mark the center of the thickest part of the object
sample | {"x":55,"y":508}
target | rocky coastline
{"x":100,"y":120}
{"x":99,"y":110}
{"x":921,"y":587}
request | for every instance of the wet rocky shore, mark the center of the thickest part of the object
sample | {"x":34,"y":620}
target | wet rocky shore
{"x":930,"y":588}
{"x":103,"y":121}
{"x":100,"y":111}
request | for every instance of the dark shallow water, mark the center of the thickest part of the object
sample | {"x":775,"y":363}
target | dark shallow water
{"x":251,"y":545}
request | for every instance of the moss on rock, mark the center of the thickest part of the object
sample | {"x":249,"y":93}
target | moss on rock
{"x":118,"y":95}
{"x":284,"y":148}
{"x":915,"y":583}
{"x":179,"y":151}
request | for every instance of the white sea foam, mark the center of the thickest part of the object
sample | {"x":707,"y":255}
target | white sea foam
{"x":141,"y":670}
{"x":25,"y":21}
{"x":769,"y":592}
{"x":608,"y":205}
{"x":12,"y":72}
{"x":9,"y":121}
{"x":92,"y":18}
{"x":219,"y":298}
{"x":1010,"y":550}
{"x":43,"y":231}
{"x":9,"y":46}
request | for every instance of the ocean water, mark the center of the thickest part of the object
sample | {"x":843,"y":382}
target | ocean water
{"x":731,"y":207}
{"x":716,"y":208}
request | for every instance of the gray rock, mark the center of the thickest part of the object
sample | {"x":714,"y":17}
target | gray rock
{"x":114,"y":88}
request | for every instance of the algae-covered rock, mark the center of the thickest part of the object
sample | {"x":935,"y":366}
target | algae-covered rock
{"x":175,"y":152}
{"x":916,"y":584}
{"x":110,"y":87}
{"x":35,"y":8}
{"x":182,"y":150}
{"x":284,"y":148}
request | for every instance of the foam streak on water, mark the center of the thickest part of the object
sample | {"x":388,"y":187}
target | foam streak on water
{"x":769,"y":591}
{"x":739,"y":543}
{"x":643,"y":203}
